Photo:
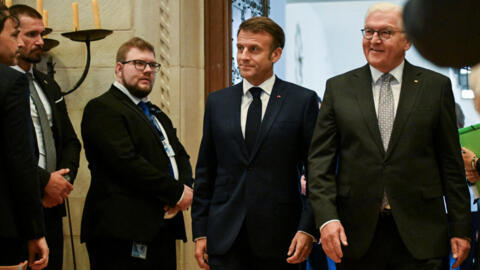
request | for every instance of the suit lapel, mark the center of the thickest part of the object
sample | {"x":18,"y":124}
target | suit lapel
{"x":411,"y":87}
{"x":135,"y":110}
{"x":277,"y":97}
{"x":364,"y":94}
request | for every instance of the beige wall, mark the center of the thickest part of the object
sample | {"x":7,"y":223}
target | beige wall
{"x":175,"y":28}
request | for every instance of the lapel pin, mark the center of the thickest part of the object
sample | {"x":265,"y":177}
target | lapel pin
{"x":45,"y":82}
{"x":415,"y":81}
{"x":278,"y":96}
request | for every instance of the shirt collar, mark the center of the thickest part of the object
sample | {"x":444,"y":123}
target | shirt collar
{"x":266,"y":85}
{"x":397,"y":73}
{"x":18,"y":68}
{"x":133,"y":98}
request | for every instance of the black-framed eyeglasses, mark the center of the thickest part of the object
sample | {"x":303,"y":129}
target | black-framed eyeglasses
{"x":383,"y":34}
{"x":141,"y":65}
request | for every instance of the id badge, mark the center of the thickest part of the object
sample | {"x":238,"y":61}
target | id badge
{"x":169,"y":150}
{"x":139,"y":250}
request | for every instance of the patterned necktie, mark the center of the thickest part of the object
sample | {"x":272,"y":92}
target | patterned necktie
{"x":385,"y":109}
{"x":385,"y":120}
{"x":47,"y":134}
{"x":254,"y":118}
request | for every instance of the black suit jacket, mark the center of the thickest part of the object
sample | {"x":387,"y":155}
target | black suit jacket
{"x":20,"y":204}
{"x":67,"y":145}
{"x":349,"y":169}
{"x":130,"y":171}
{"x":260,"y":189}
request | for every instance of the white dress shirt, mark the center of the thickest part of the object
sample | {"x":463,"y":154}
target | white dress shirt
{"x":247,"y":99}
{"x":42,"y":162}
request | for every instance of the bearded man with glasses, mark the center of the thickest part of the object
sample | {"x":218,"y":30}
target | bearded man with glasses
{"x":385,"y":153}
{"x":141,"y":173}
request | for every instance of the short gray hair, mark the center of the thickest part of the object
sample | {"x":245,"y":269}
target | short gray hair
{"x":386,"y":7}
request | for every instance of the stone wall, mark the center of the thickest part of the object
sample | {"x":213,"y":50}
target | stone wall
{"x":175,"y":28}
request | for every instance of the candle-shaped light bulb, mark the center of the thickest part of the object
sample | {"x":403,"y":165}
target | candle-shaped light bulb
{"x":96,"y":14}
{"x":45,"y":18}
{"x":40,"y":6}
{"x":8,"y":3}
{"x":75,"y":16}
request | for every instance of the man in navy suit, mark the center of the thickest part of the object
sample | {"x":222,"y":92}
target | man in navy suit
{"x":247,"y":205}
{"x":20,"y":204}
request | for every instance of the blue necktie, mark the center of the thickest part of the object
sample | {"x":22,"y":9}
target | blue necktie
{"x":146,"y":110}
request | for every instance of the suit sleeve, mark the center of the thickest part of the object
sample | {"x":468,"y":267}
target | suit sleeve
{"x":17,"y":129}
{"x":451,"y":166}
{"x":307,"y":221}
{"x":205,"y":174}
{"x":105,"y":131}
{"x":322,"y":162}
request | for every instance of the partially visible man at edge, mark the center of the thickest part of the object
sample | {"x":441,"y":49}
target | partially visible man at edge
{"x":57,"y":145}
{"x":22,"y":231}
{"x":384,"y":153}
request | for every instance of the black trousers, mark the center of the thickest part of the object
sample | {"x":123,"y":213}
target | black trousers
{"x":387,"y":252}
{"x":54,"y":237}
{"x":12,"y":251}
{"x":241,"y":257}
{"x":116,"y":254}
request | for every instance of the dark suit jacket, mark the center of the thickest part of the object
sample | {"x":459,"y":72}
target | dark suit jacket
{"x":20,"y":204}
{"x":67,"y":145}
{"x":260,"y":189}
{"x":130,"y":171}
{"x":349,"y":169}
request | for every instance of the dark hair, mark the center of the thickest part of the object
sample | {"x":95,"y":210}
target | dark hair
{"x":5,"y":15}
{"x":24,"y":10}
{"x":134,"y":42}
{"x":264,"y":24}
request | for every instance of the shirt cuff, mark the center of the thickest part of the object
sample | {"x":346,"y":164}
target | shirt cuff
{"x":313,"y":237}
{"x":323,"y":225}
{"x":198,"y":238}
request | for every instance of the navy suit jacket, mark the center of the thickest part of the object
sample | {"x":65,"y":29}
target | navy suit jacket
{"x":20,"y":204}
{"x":260,"y":189}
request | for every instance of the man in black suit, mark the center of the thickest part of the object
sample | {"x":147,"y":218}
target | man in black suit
{"x":141,"y":174}
{"x":58,"y":147}
{"x":247,"y":204}
{"x":384,"y":154}
{"x":20,"y":205}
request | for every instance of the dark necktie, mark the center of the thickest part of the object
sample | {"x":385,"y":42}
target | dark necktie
{"x":47,"y":134}
{"x":145,"y":108}
{"x":254,"y":118}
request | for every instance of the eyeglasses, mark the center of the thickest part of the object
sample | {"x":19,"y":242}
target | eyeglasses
{"x":383,"y":34}
{"x":141,"y":65}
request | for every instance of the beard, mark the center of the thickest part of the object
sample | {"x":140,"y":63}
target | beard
{"x":35,"y":56}
{"x":136,"y":91}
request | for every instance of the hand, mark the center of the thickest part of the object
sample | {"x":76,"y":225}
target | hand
{"x":300,"y":248}
{"x":460,"y":249}
{"x":170,"y":212}
{"x":38,"y":248}
{"x":57,"y":189}
{"x":472,"y":175}
{"x":467,"y":158}
{"x":201,"y":253}
{"x":331,"y":236}
{"x":187,"y":198}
